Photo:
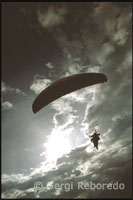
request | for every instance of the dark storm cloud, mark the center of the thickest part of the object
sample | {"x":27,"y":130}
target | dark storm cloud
{"x":106,"y":19}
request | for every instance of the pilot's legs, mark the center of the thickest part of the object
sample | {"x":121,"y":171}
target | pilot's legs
{"x":96,"y":146}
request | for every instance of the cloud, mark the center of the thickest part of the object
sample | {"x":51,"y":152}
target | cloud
{"x":114,"y":97}
{"x":99,"y":41}
{"x":64,"y":119}
{"x":7,"y":89}
{"x":74,"y":69}
{"x":7,"y":105}
{"x":107,"y":28}
{"x":115,"y":23}
{"x":20,"y":178}
{"x":65,"y":114}
{"x":123,"y":29}
{"x":60,"y":105}
{"x":49,"y":65}
{"x":13,"y":194}
{"x":39,"y":83}
{"x":54,"y":16}
{"x":77,"y":166}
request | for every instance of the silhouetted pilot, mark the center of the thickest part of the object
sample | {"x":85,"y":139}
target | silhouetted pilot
{"x":95,"y":138}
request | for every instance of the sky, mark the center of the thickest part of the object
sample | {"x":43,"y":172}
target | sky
{"x":42,"y":43}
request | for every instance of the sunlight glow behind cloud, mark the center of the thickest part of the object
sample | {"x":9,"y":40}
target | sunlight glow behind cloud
{"x":56,"y":146}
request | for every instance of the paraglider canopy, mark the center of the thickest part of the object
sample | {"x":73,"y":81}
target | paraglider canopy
{"x":65,"y":86}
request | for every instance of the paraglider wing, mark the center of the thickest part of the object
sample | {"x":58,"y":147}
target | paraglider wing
{"x":65,"y":86}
